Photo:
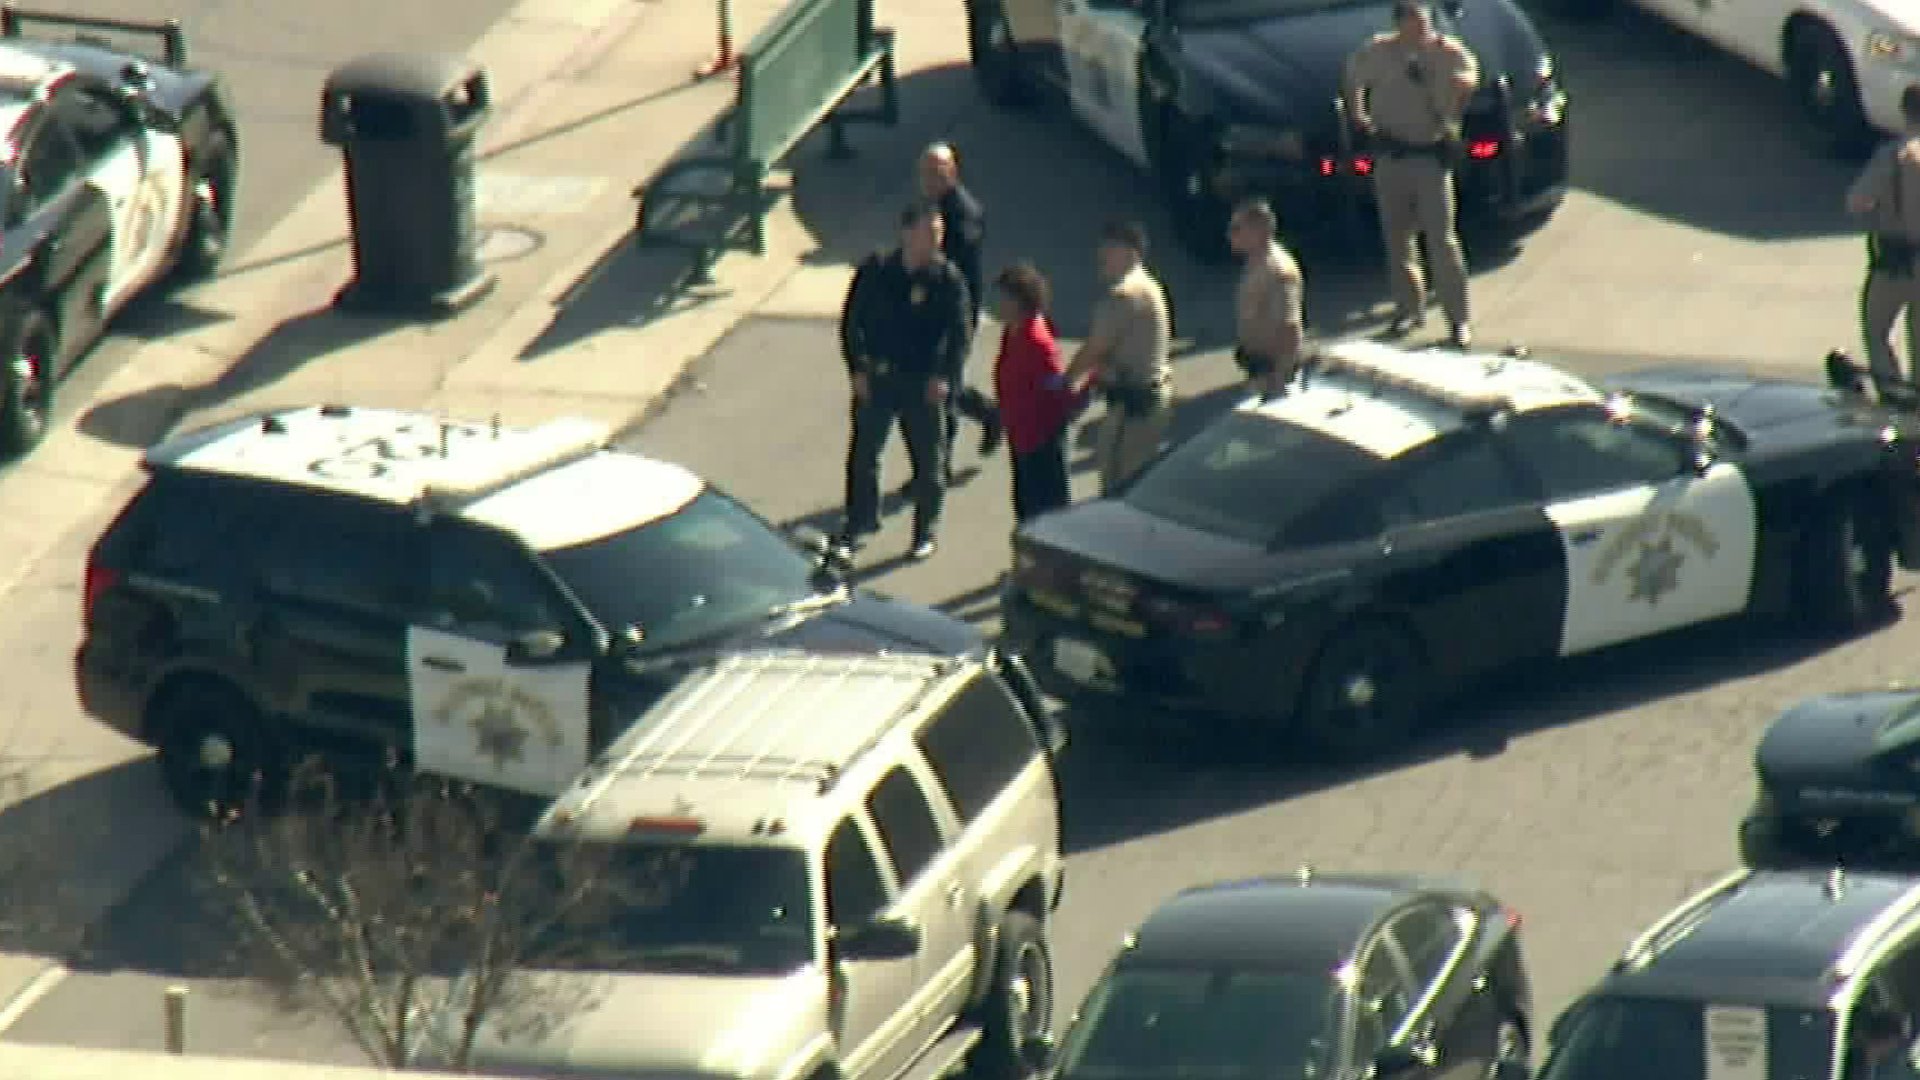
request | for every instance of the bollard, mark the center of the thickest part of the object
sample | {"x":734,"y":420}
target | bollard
{"x":176,"y":1019}
{"x":723,"y":56}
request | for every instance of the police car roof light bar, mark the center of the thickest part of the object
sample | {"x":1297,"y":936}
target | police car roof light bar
{"x":173,"y":40}
{"x":521,"y":455}
{"x":1372,"y":371}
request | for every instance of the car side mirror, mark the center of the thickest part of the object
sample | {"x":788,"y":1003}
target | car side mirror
{"x":881,"y":939}
{"x":535,"y":647}
{"x":810,"y":540}
{"x":1041,"y":1054}
{"x":1404,"y":1061}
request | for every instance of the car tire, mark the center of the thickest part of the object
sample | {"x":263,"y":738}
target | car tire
{"x":1184,"y":170}
{"x":28,"y":357}
{"x":1364,"y":694}
{"x":215,"y":756}
{"x":1018,"y":1010}
{"x":1846,"y":568}
{"x":209,"y":210}
{"x":995,"y":57}
{"x":1823,"y":81}
{"x":1511,"y":1050}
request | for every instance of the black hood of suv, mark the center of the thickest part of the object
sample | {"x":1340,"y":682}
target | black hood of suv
{"x":1835,"y":749}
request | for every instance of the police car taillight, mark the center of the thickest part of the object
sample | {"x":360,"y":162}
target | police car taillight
{"x":1483,"y":149}
{"x":1195,"y":620}
{"x":99,"y":579}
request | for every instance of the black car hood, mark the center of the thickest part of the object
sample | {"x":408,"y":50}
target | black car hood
{"x":1758,"y":406}
{"x":1288,"y":69}
{"x":1115,"y":535}
{"x":871,"y":622}
{"x":1827,"y":748}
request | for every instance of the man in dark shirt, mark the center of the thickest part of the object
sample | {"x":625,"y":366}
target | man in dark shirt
{"x":904,"y":333}
{"x":964,"y":222}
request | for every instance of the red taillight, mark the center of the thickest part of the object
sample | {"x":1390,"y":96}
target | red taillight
{"x":1327,"y":166}
{"x":1483,"y":149}
{"x":1363,"y":166}
{"x":98,"y":580}
{"x":1194,"y":620}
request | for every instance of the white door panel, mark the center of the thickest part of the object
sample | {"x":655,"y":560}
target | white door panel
{"x":1647,"y":559}
{"x":117,"y":177}
{"x":477,"y":718}
{"x":1102,"y":51}
{"x":142,"y":182}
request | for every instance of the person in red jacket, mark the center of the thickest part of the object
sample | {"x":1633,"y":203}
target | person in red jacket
{"x":1035,"y":405}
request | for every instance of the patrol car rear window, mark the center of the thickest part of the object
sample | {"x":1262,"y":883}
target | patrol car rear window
{"x":1251,"y":478}
{"x":1659,"y":1039}
{"x":707,"y":569}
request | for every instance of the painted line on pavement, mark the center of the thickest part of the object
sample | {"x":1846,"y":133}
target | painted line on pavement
{"x":31,"y":994}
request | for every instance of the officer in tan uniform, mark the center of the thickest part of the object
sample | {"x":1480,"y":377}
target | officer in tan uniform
{"x":1267,"y":306}
{"x":1406,"y":91}
{"x":1887,"y":198}
{"x":1127,"y":356}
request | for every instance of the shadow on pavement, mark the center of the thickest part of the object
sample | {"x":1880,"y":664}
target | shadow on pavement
{"x":1132,"y":772}
{"x":59,"y":879}
{"x":142,"y":418}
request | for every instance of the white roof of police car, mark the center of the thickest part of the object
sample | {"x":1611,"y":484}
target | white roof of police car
{"x":758,"y":738}
{"x":1385,"y":419}
{"x":23,"y":73}
{"x":546,"y":484}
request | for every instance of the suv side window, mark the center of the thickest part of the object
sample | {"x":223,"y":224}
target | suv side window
{"x":1428,"y":935}
{"x":97,"y":121}
{"x":856,"y":892}
{"x":186,"y":532}
{"x":906,"y":824}
{"x":342,"y":556}
{"x":51,"y":163}
{"x":977,"y":745}
{"x":481,"y":583}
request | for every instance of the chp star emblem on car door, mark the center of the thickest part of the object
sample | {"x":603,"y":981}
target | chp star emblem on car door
{"x":1650,"y":553}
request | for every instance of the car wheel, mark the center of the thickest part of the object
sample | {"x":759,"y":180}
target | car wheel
{"x":1186,"y":168}
{"x":1510,"y":1050}
{"x":995,"y":56}
{"x":209,"y":214}
{"x":1364,"y":693}
{"x":217,"y":761}
{"x":1823,"y":82}
{"x":1846,"y":568}
{"x":26,"y":381}
{"x":1017,"y":1015}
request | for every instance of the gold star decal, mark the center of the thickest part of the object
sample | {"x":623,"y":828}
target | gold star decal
{"x":1655,"y":571}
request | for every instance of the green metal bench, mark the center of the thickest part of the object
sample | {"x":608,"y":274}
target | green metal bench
{"x":797,"y":74}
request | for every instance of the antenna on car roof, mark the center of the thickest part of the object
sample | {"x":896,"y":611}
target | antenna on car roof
{"x":496,"y":425}
{"x":1836,"y":882}
{"x":446,"y":430}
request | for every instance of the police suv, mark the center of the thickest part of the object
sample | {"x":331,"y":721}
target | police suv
{"x":116,"y":171}
{"x":1847,"y":60}
{"x":864,"y":858}
{"x":1325,"y":563}
{"x":486,"y":603}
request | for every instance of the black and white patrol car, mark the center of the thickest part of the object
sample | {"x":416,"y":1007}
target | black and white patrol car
{"x":1219,"y":99}
{"x":490,"y":604}
{"x":1400,"y":523}
{"x":116,"y":172}
{"x":1847,"y":61}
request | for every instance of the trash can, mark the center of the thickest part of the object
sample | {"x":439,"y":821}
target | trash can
{"x":406,"y":126}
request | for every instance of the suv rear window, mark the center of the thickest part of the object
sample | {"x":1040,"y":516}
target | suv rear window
{"x":977,"y":745}
{"x":184,"y":529}
{"x":1659,"y":1039}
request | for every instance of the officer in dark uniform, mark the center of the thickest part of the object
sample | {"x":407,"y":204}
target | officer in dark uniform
{"x":964,"y":221}
{"x":904,"y":333}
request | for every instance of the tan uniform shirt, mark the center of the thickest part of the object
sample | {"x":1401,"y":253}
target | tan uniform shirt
{"x":1419,"y":111}
{"x":1892,"y":181}
{"x":1133,"y":316}
{"x":1268,"y":303}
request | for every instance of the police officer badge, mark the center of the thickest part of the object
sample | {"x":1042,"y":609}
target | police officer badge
{"x":918,"y":296}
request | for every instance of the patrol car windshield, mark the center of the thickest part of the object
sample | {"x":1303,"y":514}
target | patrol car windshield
{"x":710,"y":568}
{"x":1652,"y":1039}
{"x":699,"y":908}
{"x":1150,"y":1023}
{"x":1249,"y":478}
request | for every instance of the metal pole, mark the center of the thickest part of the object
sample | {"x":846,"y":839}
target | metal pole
{"x":176,"y":1019}
{"x":723,"y":57}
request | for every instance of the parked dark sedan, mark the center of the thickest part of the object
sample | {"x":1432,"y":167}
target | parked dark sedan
{"x":1223,"y":98}
{"x":1327,"y":563}
{"x":1313,"y":977}
{"x":1839,"y":783}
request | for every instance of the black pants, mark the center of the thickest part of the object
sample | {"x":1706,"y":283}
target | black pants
{"x":971,"y":403}
{"x":1040,"y":479}
{"x":902,"y":401}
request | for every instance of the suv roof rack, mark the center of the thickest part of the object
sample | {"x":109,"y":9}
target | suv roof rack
{"x":1678,"y":922}
{"x":716,"y":725}
{"x":1863,"y":942}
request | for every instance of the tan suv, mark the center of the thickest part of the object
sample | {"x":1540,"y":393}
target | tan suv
{"x":864,"y":854}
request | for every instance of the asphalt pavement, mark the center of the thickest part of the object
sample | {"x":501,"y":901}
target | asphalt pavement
{"x":1591,"y":795}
